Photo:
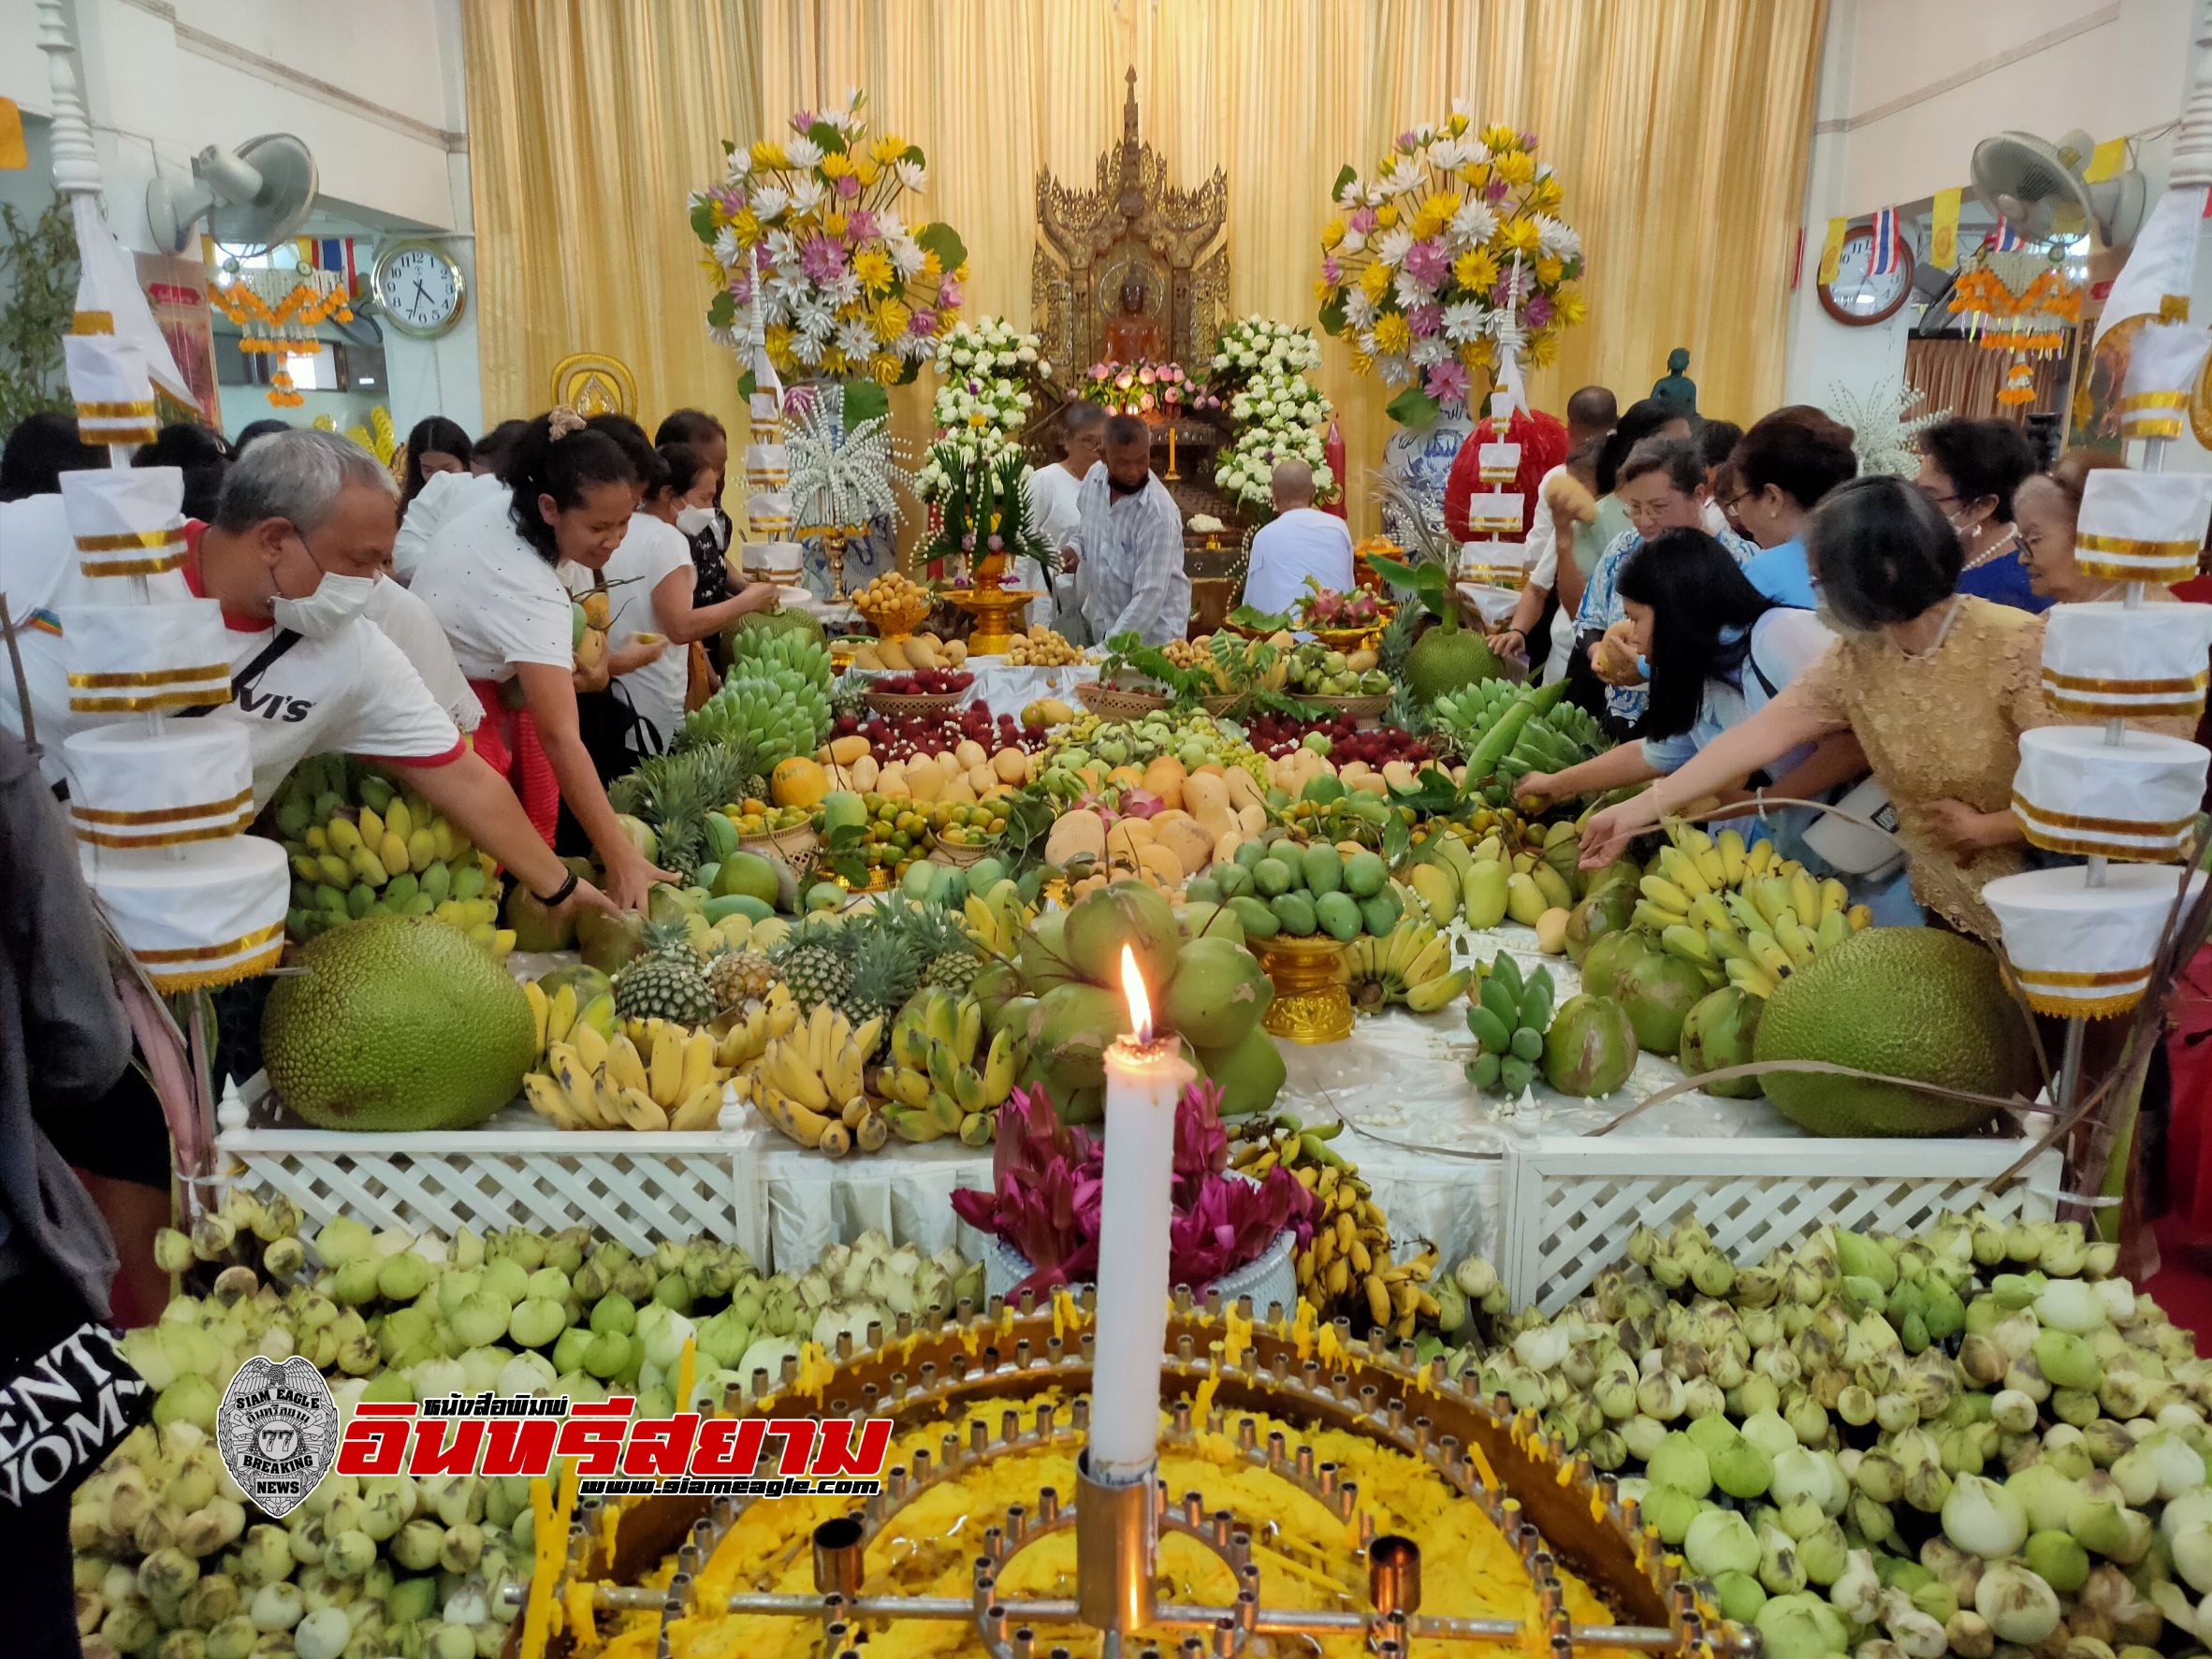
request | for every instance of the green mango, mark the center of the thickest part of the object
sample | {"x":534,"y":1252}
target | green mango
{"x":1364,"y":874}
{"x":1202,"y":890}
{"x":1338,"y":914}
{"x":1249,"y":853}
{"x":1295,"y":911}
{"x":1323,"y":868}
{"x":1379,"y":914}
{"x":1258,"y":917}
{"x":1272,"y":877}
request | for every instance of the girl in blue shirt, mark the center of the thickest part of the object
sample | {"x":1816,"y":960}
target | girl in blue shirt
{"x":1784,"y":464}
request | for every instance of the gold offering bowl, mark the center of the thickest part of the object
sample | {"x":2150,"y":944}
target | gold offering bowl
{"x":648,"y":1556}
{"x":998,"y":613}
{"x":1312,"y":1002}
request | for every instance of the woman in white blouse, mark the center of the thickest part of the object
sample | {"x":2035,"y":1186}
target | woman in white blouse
{"x":491,"y":582}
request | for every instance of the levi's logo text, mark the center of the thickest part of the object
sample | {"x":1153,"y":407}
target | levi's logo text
{"x":616,"y":1456}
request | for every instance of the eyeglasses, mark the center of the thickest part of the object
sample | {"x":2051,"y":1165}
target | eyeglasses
{"x":1730,"y":503}
{"x":1940,"y":498}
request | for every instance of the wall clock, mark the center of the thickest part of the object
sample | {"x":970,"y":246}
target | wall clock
{"x":418,"y":287}
{"x":1858,"y":297}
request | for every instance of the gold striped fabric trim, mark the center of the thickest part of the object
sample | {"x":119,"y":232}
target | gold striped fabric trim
{"x":171,"y":983}
{"x":2124,"y":851}
{"x":92,"y":321}
{"x":2055,"y":977}
{"x":206,"y":697}
{"x":115,"y":435}
{"x":127,"y":541}
{"x":132,"y":567}
{"x":113,"y":411}
{"x":2076,"y":682}
{"x":242,"y":800}
{"x":1498,"y":474}
{"x":2135,"y":547}
{"x":2180,"y":570}
{"x":245,"y":941}
{"x":2151,"y":426}
{"x":1497,"y":526}
{"x":153,"y":676}
{"x":2135,"y":401}
{"x":221,"y":832}
{"x":2114,"y":709}
{"x":2116,"y":826}
{"x":2085,"y":1008}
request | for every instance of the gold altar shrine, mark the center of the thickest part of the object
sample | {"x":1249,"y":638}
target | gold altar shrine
{"x":1132,"y":234}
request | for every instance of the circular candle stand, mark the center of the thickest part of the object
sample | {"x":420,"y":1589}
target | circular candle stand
{"x":1548,"y":1504}
{"x":998,"y":613}
{"x":1313,"y":1001}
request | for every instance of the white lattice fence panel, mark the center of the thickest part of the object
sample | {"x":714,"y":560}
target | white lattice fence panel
{"x":1570,"y":1205}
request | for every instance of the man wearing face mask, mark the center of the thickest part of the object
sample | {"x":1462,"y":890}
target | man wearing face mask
{"x":1129,"y":574}
{"x":300,"y":539}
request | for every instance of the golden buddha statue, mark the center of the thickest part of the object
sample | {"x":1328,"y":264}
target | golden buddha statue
{"x":1134,"y":336}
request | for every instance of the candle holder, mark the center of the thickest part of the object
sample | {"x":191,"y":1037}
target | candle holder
{"x":998,"y":614}
{"x":1313,"y":1000}
{"x":1548,"y":1503}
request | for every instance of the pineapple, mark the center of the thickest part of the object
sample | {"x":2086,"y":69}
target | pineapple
{"x":735,"y":978}
{"x":849,"y":694}
{"x":884,"y":973}
{"x":675,"y":792}
{"x":666,"y":980}
{"x":814,"y":965}
{"x":941,"y":944}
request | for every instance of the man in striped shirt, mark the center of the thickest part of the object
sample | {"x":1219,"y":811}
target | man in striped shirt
{"x":1129,"y":574}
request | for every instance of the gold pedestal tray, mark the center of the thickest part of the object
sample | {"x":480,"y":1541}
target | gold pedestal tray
{"x":998,"y":614}
{"x":1312,"y":1003}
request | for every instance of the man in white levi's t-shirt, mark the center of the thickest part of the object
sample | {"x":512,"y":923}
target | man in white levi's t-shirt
{"x":300,"y":538}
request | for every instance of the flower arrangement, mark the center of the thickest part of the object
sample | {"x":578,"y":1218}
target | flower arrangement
{"x":1449,"y":251}
{"x":1048,"y":1181}
{"x":1261,"y":365}
{"x":1138,"y":389}
{"x":847,"y":288}
{"x":992,"y":372}
{"x":984,"y":513}
{"x":842,"y":478}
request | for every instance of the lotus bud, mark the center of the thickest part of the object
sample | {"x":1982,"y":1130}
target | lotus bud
{"x":1721,"y":1542}
{"x":1969,"y":1634}
{"x":1918,"y":1636}
{"x":1856,"y":1591}
{"x":1983,"y":1518}
{"x":1856,"y":1405}
{"x":1671,"y":1512}
{"x":417,"y":1545}
{"x":1779,"y":1570}
{"x":1643,"y":1436}
{"x":1927,"y":1485}
{"x":2058,"y":1560}
{"x":1661,"y":1396}
{"x":1895,"y":1413}
{"x":1703,"y":1398}
{"x":2020,"y":1608}
{"x":2189,"y":1539}
{"x":350,"y":1554}
{"x":2074,"y":1405}
{"x":2106,"y":1442}
{"x":2100,"y":1519}
{"x":2025,"y":1376}
{"x":1807,"y":1421}
{"x":276,"y":1606}
{"x":1872,"y":1521}
{"x":1822,"y":1552}
{"x":1801,"y":1474}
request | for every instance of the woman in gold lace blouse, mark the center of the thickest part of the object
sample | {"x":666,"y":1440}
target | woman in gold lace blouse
{"x":1937,"y":686}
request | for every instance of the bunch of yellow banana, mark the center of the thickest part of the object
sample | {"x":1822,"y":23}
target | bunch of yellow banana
{"x":938,"y":1082}
{"x":998,"y":919}
{"x":558,"y":1015}
{"x":1743,"y":914}
{"x":601,"y":1083}
{"x":807,"y":1082}
{"x":748,"y":1034}
{"x":1410,"y":964}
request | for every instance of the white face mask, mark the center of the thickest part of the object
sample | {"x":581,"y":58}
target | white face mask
{"x":691,"y":521}
{"x":336,"y":601}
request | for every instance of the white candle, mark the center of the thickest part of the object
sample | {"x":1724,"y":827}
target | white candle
{"x":1143,"y":1082}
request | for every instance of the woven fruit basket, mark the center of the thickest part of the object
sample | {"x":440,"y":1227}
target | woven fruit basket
{"x":965,"y":853}
{"x":1114,"y":703}
{"x":895,"y":703}
{"x":1220,"y":705}
{"x":792,"y":845}
{"x":1358,"y":708}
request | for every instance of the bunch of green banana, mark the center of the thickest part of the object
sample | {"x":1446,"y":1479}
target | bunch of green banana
{"x":998,"y":919}
{"x":1744,"y":914}
{"x":1509,"y":1017}
{"x":936,"y":1083}
{"x":1412,"y":966}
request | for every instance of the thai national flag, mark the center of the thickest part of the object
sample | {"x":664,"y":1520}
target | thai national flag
{"x":1884,"y":261}
{"x":2008,"y":240}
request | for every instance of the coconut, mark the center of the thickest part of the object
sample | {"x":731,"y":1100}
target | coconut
{"x":1069,"y":1033}
{"x":1720,"y":1031}
{"x":1044,"y":953}
{"x":1590,"y":1048}
{"x":1658,"y":991}
{"x":1250,"y":1073}
{"x":1604,"y":910}
{"x":1131,"y":913}
{"x":1604,"y":961}
{"x":1217,"y":994}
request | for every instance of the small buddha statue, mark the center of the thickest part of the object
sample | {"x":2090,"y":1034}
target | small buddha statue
{"x":1132,"y":336}
{"x":1675,"y":386}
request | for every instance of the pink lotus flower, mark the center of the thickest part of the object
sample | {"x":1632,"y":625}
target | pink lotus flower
{"x":848,"y":186}
{"x":1145,"y":404}
{"x":802,"y":121}
{"x":1407,"y":140}
{"x":1528,"y":140}
{"x":1538,"y":311}
{"x":1146,"y":376}
{"x":860,"y":224}
{"x":1427,"y":261}
{"x":948,"y":293}
{"x":922,"y":324}
{"x":1495,"y":190}
{"x":1125,"y":379}
{"x":1426,"y":319}
{"x":822,"y":259}
{"x":1101,"y":370}
{"x":1363,"y":220}
{"x":1447,"y":381}
{"x":1331,"y":269}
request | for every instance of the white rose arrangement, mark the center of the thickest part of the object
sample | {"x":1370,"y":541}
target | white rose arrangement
{"x":992,"y":372}
{"x":1260,"y":367}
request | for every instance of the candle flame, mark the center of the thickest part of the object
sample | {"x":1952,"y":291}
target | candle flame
{"x":1132,"y":987}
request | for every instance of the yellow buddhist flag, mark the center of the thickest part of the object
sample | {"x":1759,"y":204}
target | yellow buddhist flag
{"x":1831,"y":251}
{"x":14,"y":152}
{"x":2106,"y":160}
{"x":1943,"y":236}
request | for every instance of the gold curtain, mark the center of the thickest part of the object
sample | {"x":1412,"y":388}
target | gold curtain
{"x":590,"y":123}
{"x":1958,"y":376}
{"x":1679,"y":128}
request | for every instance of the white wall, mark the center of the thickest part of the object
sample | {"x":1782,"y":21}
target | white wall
{"x":1906,"y":91}
{"x":375,"y":92}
